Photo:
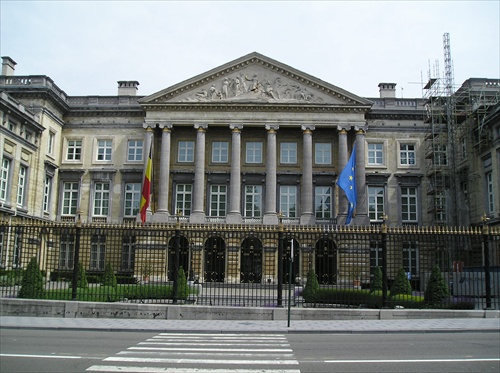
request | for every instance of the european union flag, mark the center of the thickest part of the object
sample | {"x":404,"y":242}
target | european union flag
{"x":347,"y":181}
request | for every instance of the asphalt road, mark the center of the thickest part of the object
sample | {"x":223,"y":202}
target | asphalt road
{"x":29,"y":350}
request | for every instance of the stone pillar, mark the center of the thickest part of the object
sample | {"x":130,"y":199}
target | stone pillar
{"x":234,"y":215}
{"x":307,"y":214}
{"x":342,"y":161}
{"x":361,"y":212}
{"x":198,"y":212}
{"x":270,"y":216}
{"x":163,"y":187}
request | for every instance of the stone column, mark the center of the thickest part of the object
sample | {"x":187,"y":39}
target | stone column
{"x":342,"y":161}
{"x":198,"y":212}
{"x":234,"y":215}
{"x":361,"y":213}
{"x":164,"y":184}
{"x":270,"y":216}
{"x":307,"y":214}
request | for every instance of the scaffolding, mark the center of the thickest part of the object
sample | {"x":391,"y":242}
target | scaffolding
{"x":455,"y":139}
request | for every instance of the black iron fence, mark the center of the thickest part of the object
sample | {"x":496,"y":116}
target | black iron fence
{"x":255,"y":265}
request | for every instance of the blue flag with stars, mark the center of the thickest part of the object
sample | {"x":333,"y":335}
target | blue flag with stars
{"x":347,"y":181}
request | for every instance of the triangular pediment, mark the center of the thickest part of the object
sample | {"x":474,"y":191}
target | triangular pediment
{"x":257,"y":79}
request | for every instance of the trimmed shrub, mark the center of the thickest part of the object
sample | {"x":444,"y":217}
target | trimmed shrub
{"x":32,"y":283}
{"x":436,"y":290}
{"x":82,"y":282}
{"x":407,"y":301}
{"x":109,"y":278}
{"x":182,"y":286}
{"x":376,"y":283}
{"x":401,"y":284}
{"x":312,"y":287}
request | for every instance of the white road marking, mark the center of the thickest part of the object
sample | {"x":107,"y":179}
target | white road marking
{"x":200,"y":361}
{"x":213,"y":349}
{"x":412,"y":361}
{"x":114,"y":368}
{"x":42,"y":356}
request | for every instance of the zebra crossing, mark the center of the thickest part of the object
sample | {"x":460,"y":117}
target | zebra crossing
{"x":204,"y":353}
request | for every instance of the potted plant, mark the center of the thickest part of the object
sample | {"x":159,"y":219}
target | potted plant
{"x":146,"y":271}
{"x":355,"y":275}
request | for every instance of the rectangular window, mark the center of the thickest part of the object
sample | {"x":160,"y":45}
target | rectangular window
{"x":66,"y":251}
{"x":2,"y":240}
{"x":101,"y":199}
{"x":74,"y":151}
{"x":440,"y":155}
{"x":490,"y":193}
{"x":97,"y":252}
{"x":253,"y":201}
{"x":16,"y":255}
{"x":218,"y":200}
{"x":134,"y":150}
{"x":463,"y":147}
{"x":220,"y":152}
{"x":375,"y":255}
{"x":410,"y":258}
{"x":21,"y":186}
{"x":70,"y":198}
{"x":323,"y":202}
{"x":253,"y":152}
{"x":288,"y":152}
{"x":323,"y":153}
{"x":50,"y":143}
{"x":4,"y":179}
{"x":375,"y":154}
{"x":104,"y":149}
{"x":440,"y":208}
{"x":375,"y":203}
{"x":186,"y":151}
{"x":288,"y":201}
{"x":409,"y":205}
{"x":132,"y":199}
{"x":47,"y":193}
{"x":128,"y":253}
{"x":407,"y":154}
{"x":183,"y":197}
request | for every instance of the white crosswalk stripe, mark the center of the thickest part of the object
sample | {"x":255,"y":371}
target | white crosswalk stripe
{"x":198,"y":353}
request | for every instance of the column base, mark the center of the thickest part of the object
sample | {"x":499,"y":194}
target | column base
{"x":160,"y":217}
{"x":270,"y":218}
{"x":234,"y":218}
{"x":197,"y":218}
{"x":307,"y":219}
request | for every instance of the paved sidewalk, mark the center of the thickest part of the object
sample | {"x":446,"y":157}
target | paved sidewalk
{"x":234,"y":326}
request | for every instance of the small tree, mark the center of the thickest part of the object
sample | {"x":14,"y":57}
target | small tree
{"x":436,"y":289}
{"x":312,"y":286}
{"x":82,"y":277}
{"x":109,"y":278}
{"x":401,"y":284}
{"x":182,"y":286}
{"x":376,"y":283}
{"x":32,"y":282}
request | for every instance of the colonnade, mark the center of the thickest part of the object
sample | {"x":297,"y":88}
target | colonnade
{"x":270,"y":215}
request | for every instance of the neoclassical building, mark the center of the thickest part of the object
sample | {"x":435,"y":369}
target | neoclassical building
{"x":243,"y":143}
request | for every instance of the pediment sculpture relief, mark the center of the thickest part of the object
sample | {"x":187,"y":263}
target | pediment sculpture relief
{"x":254,"y":87}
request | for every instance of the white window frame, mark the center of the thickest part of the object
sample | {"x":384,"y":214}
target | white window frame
{"x":375,"y":255}
{"x":288,"y":201}
{"x":288,"y":153}
{"x":50,"y":143}
{"x":409,"y":204}
{"x":5,"y":178}
{"x":440,"y":155}
{"x":490,"y":194}
{"x":135,"y":150}
{"x":128,"y":252}
{"x":375,"y":153}
{"x":323,"y":207}
{"x":47,"y":194}
{"x":22,"y":180}
{"x":376,"y":199}
{"x":70,"y":195}
{"x":253,"y":201}
{"x":411,"y":258}
{"x":183,"y":199}
{"x":101,"y":199}
{"x":185,"y":152}
{"x":407,"y":156}
{"x":131,"y":200}
{"x":218,"y":200}
{"x":66,"y":251}
{"x":74,"y":150}
{"x":323,"y":153}
{"x":254,"y":152}
{"x":104,"y":150}
{"x":220,"y":152}
{"x":97,"y":252}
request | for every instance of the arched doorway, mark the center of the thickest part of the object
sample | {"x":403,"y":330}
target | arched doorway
{"x":183,"y":256}
{"x":251,"y":261}
{"x":215,"y":260}
{"x":286,"y":260}
{"x":326,"y":261}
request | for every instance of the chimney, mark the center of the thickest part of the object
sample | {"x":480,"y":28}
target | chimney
{"x":8,"y":66}
{"x":387,"y":90}
{"x":127,"y":88}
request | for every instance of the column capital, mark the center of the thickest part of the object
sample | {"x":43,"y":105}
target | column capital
{"x":236,"y":127}
{"x":149,"y":124}
{"x":342,"y":131}
{"x":308,"y":128}
{"x":272,"y":127}
{"x":360,"y":131}
{"x":165,"y":125}
{"x":149,"y":129}
{"x":201,"y":127}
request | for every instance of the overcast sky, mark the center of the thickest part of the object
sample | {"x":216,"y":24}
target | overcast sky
{"x":87,"y":46}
